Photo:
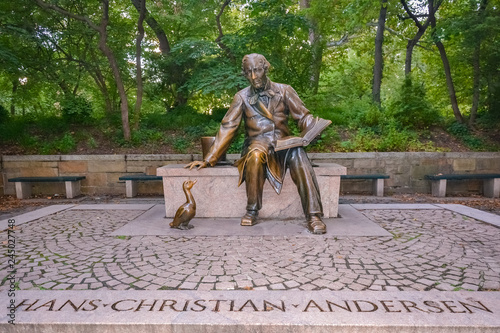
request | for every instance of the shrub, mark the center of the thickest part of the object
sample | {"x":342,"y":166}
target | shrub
{"x":360,"y":112}
{"x":76,"y":109}
{"x":411,"y":108}
{"x":4,"y":115}
{"x":146,"y":135}
{"x":181,"y":144}
{"x":63,"y":145}
{"x":462,"y":132}
{"x":388,"y":138}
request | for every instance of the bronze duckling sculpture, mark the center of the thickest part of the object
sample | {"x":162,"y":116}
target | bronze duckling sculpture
{"x":186,"y":211}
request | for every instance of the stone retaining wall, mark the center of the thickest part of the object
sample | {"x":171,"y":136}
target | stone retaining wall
{"x":407,"y":170}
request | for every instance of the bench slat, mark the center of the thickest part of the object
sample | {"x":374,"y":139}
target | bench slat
{"x":140,"y":177}
{"x":374,"y":176}
{"x":463,"y":176}
{"x":46,"y":179}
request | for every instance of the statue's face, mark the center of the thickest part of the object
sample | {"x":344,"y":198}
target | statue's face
{"x":255,"y":73}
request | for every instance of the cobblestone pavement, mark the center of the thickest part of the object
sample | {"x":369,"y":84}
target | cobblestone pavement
{"x":428,"y":250}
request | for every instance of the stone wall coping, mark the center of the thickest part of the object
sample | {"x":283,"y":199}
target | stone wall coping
{"x":158,"y":157}
{"x":324,"y":156}
{"x":117,"y":157}
{"x":22,"y":158}
{"x":315,"y":156}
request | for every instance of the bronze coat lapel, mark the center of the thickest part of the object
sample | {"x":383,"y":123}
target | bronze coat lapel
{"x":259,"y":107}
{"x":274,"y":101}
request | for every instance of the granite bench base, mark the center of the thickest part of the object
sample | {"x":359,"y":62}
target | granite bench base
{"x":131,"y":182}
{"x":24,"y":185}
{"x":377,"y":182}
{"x":217,"y":193}
{"x":491,"y":183}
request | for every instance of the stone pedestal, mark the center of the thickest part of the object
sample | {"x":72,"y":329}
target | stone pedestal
{"x":439,"y":188}
{"x":491,"y":188}
{"x":217,"y":193}
{"x":23,"y":190}
{"x":72,"y":189}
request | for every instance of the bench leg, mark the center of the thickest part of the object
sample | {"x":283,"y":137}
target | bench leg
{"x":72,"y":189}
{"x":131,"y":188}
{"x":378,"y":187}
{"x":491,"y":188}
{"x":439,"y":188}
{"x":23,"y":190}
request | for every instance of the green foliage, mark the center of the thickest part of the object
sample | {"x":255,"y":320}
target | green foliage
{"x":360,"y":112}
{"x":390,"y":138}
{"x":4,"y":114}
{"x":76,"y":109}
{"x":180,"y":117}
{"x":326,"y":140}
{"x":63,"y":145}
{"x":181,"y":144}
{"x":462,"y":132}
{"x":411,"y":108}
{"x":146,"y":135}
{"x":324,"y":106}
{"x":92,"y":143}
{"x":237,"y":144}
{"x":56,"y":78}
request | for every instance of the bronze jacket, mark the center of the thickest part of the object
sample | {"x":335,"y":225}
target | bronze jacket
{"x":263,"y":126}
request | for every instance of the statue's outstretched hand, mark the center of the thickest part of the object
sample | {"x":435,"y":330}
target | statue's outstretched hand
{"x":199,"y":164}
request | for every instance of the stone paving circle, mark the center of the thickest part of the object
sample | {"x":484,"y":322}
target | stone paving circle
{"x":427,"y":250}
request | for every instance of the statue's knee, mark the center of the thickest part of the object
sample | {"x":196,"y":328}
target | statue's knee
{"x":256,"y":157}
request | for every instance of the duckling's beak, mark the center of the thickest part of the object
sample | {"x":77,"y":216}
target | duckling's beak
{"x":194,"y":182}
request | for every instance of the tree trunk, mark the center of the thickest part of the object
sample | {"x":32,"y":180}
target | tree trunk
{"x":101,"y":84}
{"x":159,"y":32}
{"x":15,"y":84}
{"x":316,"y":50}
{"x":95,"y":72}
{"x":316,"y":63}
{"x":476,"y":66}
{"x":446,"y":63}
{"x":449,"y":82}
{"x":379,"y":59}
{"x":414,"y":41}
{"x":476,"y":82}
{"x":138,"y":59}
{"x":409,"y":50}
{"x":218,"y":40}
{"x":103,"y":46}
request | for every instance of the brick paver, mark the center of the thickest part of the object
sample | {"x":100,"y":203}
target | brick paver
{"x":428,"y":250}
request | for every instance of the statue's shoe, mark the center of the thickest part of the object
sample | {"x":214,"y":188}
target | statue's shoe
{"x":315,"y":225}
{"x":249,"y":219}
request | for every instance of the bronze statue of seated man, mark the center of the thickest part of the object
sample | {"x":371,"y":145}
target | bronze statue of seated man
{"x":265,"y":108}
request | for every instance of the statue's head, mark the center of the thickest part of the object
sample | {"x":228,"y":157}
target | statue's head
{"x":255,"y":68}
{"x":188,"y":184}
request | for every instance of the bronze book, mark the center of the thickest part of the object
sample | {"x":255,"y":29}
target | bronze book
{"x":305,"y":138}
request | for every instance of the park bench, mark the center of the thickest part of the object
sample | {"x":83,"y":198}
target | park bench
{"x":23,"y":185}
{"x":132,"y":180}
{"x":377,"y":185}
{"x":491,"y":183}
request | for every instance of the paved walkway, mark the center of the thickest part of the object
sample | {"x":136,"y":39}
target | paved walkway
{"x":429,"y":249}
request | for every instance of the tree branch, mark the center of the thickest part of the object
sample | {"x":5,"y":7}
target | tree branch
{"x":218,"y":40}
{"x":47,"y":6}
{"x":153,"y":24}
{"x":411,"y":15}
{"x":401,"y":17}
{"x":343,"y":40}
{"x":398,"y":34}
